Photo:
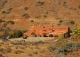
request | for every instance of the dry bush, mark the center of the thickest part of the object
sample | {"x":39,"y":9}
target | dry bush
{"x":18,"y":52}
{"x":35,"y":52}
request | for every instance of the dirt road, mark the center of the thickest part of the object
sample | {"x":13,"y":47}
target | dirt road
{"x":33,"y":39}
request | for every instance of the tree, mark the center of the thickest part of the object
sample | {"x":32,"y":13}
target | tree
{"x":18,"y":33}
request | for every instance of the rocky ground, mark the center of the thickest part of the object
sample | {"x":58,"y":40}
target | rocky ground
{"x":21,"y":48}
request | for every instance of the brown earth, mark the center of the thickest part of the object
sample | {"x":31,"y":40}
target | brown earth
{"x":48,"y":13}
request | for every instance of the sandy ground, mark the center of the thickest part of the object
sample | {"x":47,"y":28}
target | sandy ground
{"x":33,"y":39}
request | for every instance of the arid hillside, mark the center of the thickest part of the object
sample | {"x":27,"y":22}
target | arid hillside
{"x":25,"y":13}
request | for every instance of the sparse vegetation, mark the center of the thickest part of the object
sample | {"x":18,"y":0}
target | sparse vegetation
{"x":1,"y":21}
{"x":3,"y":12}
{"x":9,"y":9}
{"x":38,"y":16}
{"x":26,"y":8}
{"x":76,"y":32}
{"x":72,"y":22}
{"x":5,"y":24}
{"x":46,"y":12}
{"x":17,"y":34}
{"x":32,"y":20}
{"x":60,"y":21}
{"x":12,"y":22}
{"x":64,"y":4}
{"x":18,"y":52}
{"x":62,"y":47}
{"x":40,"y":3}
{"x":72,"y":8}
{"x":45,"y":15}
{"x":26,"y":15}
{"x":79,"y":6}
{"x":7,"y":12}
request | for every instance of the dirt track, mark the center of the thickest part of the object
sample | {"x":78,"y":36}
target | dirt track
{"x":33,"y":39}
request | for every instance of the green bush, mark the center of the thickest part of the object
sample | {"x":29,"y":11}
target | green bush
{"x":40,"y":3}
{"x":17,"y":34}
{"x":61,"y":55}
{"x":79,"y":6}
{"x":77,"y":33}
{"x":58,"y":24}
{"x":23,"y":31}
{"x":72,"y":22}
{"x":60,"y":21}
{"x":26,"y":8}
{"x":58,"y":51}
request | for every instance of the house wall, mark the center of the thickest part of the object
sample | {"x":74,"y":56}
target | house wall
{"x":46,"y":30}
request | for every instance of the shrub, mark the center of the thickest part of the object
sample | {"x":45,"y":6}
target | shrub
{"x":61,"y":55}
{"x":5,"y":24}
{"x":1,"y":21}
{"x":72,"y":22}
{"x":12,"y":22}
{"x":40,"y":3}
{"x":17,"y":34}
{"x":79,"y":6}
{"x":26,"y":15}
{"x":23,"y":31}
{"x":58,"y":24}
{"x":45,"y":16}
{"x":77,"y":32}
{"x":32,"y":20}
{"x":38,"y":16}
{"x":9,"y":9}
{"x":46,"y":12}
{"x":64,"y":4}
{"x":60,"y":21}
{"x":70,"y":46}
{"x":61,"y":47}
{"x":3,"y":12}
{"x":26,"y":8}
{"x":72,"y":8}
{"x":7,"y":12}
{"x":18,"y":52}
